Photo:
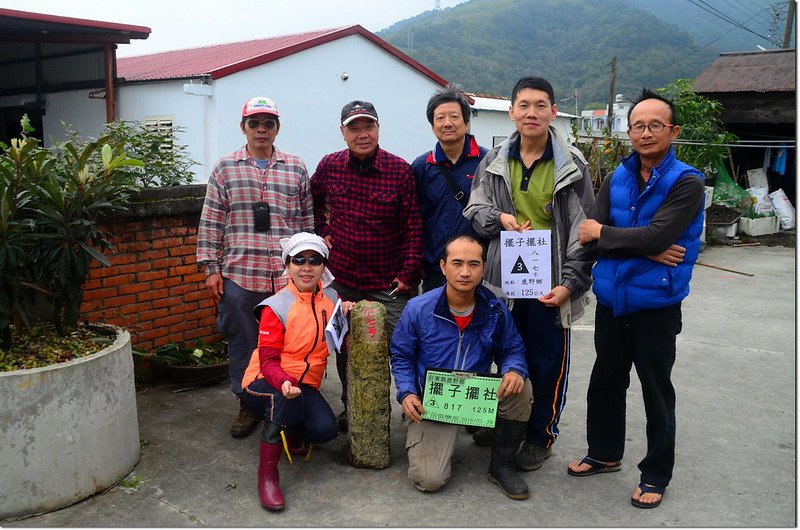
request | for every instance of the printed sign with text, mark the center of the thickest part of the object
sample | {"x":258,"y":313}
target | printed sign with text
{"x":525,"y":263}
{"x":462,"y":398}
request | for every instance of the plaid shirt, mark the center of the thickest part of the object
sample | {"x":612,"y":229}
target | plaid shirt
{"x":228,"y":243}
{"x":372,"y":216}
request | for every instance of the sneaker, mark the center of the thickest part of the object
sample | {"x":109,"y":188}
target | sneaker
{"x":531,"y":457}
{"x":245,"y":423}
{"x":342,"y":422}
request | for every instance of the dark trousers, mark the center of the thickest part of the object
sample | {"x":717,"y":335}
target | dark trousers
{"x":645,"y":339}
{"x":547,"y":354}
{"x":433,"y":277}
{"x":236,"y":322}
{"x":308,"y":414}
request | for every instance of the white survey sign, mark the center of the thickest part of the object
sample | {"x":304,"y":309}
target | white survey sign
{"x":525,"y":263}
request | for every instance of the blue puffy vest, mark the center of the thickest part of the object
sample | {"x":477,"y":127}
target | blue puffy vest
{"x":631,"y":284}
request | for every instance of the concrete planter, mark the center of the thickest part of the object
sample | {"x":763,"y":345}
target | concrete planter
{"x":67,"y":430}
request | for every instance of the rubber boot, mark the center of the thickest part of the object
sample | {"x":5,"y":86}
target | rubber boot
{"x":508,"y":435}
{"x":483,"y":437}
{"x":269,"y":491}
{"x":297,"y":446}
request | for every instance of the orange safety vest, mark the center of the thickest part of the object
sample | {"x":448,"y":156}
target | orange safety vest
{"x":304,"y":351}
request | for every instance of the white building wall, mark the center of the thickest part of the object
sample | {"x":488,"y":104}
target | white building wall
{"x":88,"y":116}
{"x":491,"y":124}
{"x":310,"y":93}
{"x":73,"y":107}
{"x":139,"y":101}
{"x":308,"y":89}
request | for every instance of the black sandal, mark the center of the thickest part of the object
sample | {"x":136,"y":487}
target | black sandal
{"x":595,"y":467}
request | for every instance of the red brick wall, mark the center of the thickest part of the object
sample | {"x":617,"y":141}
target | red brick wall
{"x":154,"y":287}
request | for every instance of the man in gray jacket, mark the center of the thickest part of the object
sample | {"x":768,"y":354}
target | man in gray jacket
{"x":535,"y":181}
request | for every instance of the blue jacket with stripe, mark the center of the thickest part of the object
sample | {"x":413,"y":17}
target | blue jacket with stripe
{"x":442,"y":213}
{"x":426,"y":336}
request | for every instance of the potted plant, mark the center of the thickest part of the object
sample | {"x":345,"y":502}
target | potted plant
{"x":68,"y":422}
{"x":197,"y":363}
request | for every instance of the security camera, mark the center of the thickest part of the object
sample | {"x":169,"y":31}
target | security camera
{"x":345,"y":76}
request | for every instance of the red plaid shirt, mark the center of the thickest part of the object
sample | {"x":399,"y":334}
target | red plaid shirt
{"x":373,"y":218}
{"x":228,"y":243}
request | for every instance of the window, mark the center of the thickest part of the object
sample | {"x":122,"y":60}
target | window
{"x":165,"y":126}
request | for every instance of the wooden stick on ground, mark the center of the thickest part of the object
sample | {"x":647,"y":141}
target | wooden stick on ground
{"x":722,"y":268}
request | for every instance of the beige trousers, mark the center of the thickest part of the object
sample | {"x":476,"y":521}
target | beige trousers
{"x":430,"y":444}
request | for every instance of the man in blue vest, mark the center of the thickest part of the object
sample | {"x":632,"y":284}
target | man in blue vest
{"x":645,"y":225}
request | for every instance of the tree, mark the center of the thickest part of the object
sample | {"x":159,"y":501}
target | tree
{"x":699,"y":118}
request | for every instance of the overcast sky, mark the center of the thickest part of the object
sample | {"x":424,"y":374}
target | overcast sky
{"x":185,"y":24}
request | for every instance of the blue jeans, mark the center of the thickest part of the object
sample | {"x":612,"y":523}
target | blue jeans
{"x":308,"y":414}
{"x":236,"y":322}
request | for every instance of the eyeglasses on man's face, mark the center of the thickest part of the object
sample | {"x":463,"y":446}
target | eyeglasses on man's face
{"x":655,"y":127}
{"x":314,"y":261}
{"x":268,"y":123}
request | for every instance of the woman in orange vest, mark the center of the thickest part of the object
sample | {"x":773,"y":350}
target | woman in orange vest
{"x":282,"y":381}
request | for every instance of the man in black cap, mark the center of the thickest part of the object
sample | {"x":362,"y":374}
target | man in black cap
{"x":366,"y":208}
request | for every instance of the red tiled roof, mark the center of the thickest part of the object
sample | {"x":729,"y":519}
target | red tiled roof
{"x":225,"y":59}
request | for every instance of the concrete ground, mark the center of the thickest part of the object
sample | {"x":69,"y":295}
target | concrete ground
{"x":736,"y":448}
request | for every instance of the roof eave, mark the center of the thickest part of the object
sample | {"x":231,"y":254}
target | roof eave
{"x":323,"y":39}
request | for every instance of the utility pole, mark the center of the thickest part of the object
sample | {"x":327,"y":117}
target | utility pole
{"x":576,"y":103}
{"x":610,"y":116}
{"x":787,"y":32}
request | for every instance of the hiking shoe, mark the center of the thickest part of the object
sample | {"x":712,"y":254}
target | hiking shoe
{"x":531,"y":457}
{"x":483,"y":437}
{"x":245,"y":423}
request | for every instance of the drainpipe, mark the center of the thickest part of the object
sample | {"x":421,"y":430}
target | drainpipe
{"x":110,"y":70}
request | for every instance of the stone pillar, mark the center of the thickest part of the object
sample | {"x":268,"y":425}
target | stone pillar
{"x":369,"y":408}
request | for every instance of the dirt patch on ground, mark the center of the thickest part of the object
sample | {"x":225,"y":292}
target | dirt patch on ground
{"x":785,"y":238}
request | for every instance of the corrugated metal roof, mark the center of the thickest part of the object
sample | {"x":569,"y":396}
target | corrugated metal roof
{"x":759,"y":71}
{"x":21,"y":25}
{"x":225,"y":59}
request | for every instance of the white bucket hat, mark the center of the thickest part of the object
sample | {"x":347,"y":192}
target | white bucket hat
{"x":291,"y":246}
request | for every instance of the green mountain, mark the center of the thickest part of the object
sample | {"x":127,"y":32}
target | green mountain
{"x":486,"y":45}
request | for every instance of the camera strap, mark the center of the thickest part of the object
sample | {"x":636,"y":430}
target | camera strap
{"x":457,"y":193}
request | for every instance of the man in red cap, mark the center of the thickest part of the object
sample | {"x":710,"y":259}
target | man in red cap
{"x":366,"y":208}
{"x":255,"y":196}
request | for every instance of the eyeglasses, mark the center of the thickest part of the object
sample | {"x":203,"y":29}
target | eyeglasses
{"x":268,"y":123}
{"x":655,"y":127}
{"x":314,"y":261}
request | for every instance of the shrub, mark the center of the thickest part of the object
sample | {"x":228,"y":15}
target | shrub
{"x":51,"y":202}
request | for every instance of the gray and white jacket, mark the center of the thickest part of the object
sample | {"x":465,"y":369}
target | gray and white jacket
{"x":573,"y":197}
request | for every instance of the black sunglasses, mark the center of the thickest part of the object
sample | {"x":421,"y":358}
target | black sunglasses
{"x":268,"y":123}
{"x":314,"y":261}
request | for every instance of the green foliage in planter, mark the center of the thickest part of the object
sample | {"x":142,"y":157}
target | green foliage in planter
{"x":197,"y":354}
{"x":51,"y":203}
{"x":43,"y":346}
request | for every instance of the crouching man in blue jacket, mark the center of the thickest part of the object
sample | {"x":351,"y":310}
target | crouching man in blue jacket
{"x":460,"y":326}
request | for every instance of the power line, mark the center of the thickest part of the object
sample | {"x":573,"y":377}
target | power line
{"x":752,"y":7}
{"x":736,"y":8}
{"x":656,"y":69}
{"x":706,"y":7}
